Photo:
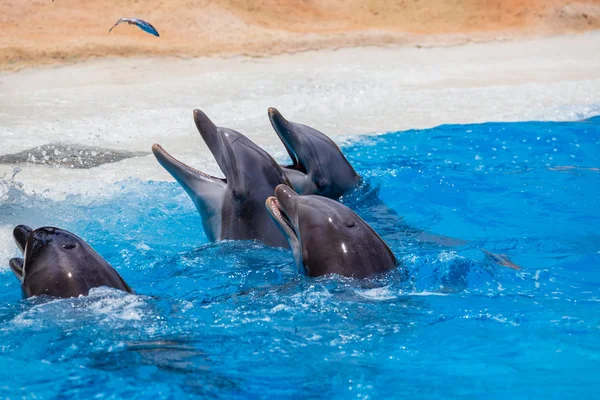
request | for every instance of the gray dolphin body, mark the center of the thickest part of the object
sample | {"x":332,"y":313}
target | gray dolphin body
{"x":58,"y":263}
{"x":328,"y":237}
{"x":318,"y":165}
{"x":230,"y":208}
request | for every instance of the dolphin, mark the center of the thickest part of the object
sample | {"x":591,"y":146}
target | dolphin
{"x":230,"y":208}
{"x":58,"y":263}
{"x":318,"y":164}
{"x":327,"y":237}
{"x":319,"y":167}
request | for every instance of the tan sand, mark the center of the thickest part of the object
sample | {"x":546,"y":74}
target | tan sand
{"x":45,"y":32}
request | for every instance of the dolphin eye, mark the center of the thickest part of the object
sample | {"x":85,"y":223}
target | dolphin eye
{"x":69,"y":246}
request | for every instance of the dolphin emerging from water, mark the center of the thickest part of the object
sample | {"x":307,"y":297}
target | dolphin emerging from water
{"x":231,"y":208}
{"x":58,"y":263}
{"x":327,"y":237}
{"x":318,"y":164}
{"x":319,"y":167}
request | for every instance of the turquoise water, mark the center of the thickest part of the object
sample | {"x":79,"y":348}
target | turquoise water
{"x":233,"y":319}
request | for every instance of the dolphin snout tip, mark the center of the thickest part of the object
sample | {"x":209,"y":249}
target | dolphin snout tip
{"x":269,"y":201}
{"x":280,"y":187}
{"x":203,"y":123}
{"x":22,"y":227}
{"x":199,"y":115}
{"x":21,"y":230}
{"x":20,"y":234}
{"x":274,"y":114}
{"x":157,"y":149}
{"x":160,"y":153}
{"x":283,"y":190}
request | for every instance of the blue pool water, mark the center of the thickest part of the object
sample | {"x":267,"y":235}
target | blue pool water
{"x":234,"y":319}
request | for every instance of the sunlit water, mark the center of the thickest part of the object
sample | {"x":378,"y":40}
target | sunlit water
{"x":234,"y":319}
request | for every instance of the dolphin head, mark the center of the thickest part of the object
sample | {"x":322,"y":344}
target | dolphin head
{"x":47,"y":245}
{"x":206,"y":191}
{"x":243,"y":162}
{"x":328,"y":237}
{"x":58,"y":263}
{"x":231,"y":208}
{"x":318,"y":165}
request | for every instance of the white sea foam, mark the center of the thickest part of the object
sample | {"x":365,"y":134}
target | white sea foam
{"x":426,"y":293}
{"x":378,"y":294}
{"x":102,"y":304}
{"x":130,"y":104}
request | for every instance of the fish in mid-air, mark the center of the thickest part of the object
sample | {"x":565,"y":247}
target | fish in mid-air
{"x":143,"y":25}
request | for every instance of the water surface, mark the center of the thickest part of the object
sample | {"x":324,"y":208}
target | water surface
{"x":234,"y":319}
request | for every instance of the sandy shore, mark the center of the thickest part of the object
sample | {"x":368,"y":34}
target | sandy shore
{"x":64,"y":31}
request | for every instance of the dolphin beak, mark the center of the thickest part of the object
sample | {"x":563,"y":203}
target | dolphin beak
{"x":284,"y":130}
{"x":209,"y":132}
{"x":175,"y":167}
{"x":216,"y":140}
{"x":283,"y":216}
{"x":287,"y":197}
{"x":281,"y":219}
{"x":203,"y":123}
{"x":16,"y":265}
{"x":183,"y":173}
{"x":21,"y":234}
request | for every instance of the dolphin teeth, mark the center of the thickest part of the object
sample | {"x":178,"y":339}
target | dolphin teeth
{"x":275,"y":208}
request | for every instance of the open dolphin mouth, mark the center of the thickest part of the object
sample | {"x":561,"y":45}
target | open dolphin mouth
{"x":167,"y":160}
{"x":281,"y":217}
{"x":279,"y":124}
{"x":22,"y":236}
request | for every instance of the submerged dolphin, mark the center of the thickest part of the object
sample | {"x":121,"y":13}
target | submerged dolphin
{"x":58,"y":263}
{"x":328,"y":237}
{"x":231,"y":208}
{"x":318,"y":165}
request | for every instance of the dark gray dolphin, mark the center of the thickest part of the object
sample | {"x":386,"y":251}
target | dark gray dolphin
{"x":328,"y":237}
{"x":318,"y":165}
{"x":58,"y":263}
{"x":230,"y":208}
